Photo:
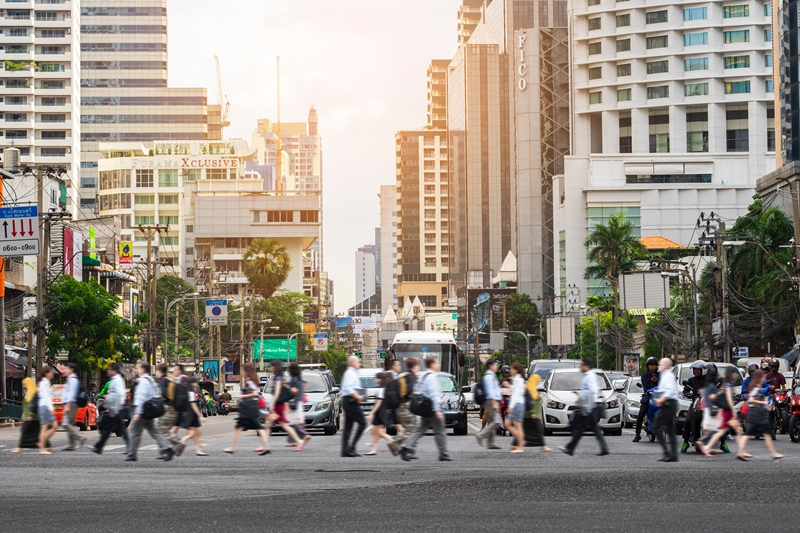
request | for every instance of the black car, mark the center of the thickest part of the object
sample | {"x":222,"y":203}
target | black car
{"x":452,"y":404}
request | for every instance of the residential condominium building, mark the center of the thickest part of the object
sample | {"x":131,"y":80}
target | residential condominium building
{"x":388,"y":247}
{"x":672,"y":115}
{"x":124,"y":95}
{"x":437,"y":94}
{"x":39,"y":91}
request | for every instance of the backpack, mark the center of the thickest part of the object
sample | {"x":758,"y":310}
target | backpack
{"x":180,"y":397}
{"x":82,"y":399}
{"x":391,"y":394}
{"x":34,"y":405}
{"x":480,"y":392}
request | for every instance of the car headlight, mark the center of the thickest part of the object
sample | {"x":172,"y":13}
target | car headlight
{"x":613,"y":404}
{"x":552,"y":404}
{"x":321,"y":406}
{"x":633,"y":404}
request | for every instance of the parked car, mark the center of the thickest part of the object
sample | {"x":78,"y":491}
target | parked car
{"x":323,"y":405}
{"x":542,"y":367}
{"x":559,"y":398}
{"x":370,"y":386}
{"x":85,"y":417}
{"x":683,"y":372}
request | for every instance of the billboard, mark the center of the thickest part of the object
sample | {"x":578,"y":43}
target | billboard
{"x":126,"y":255}
{"x":478,"y":308}
{"x":441,"y":322}
{"x":211,"y":370}
{"x":274,"y":349}
{"x":644,"y":291}
{"x":73,"y":256}
{"x":358,"y":323}
{"x":560,"y":331}
{"x":630,"y":363}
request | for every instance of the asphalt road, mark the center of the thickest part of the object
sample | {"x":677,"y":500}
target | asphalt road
{"x":316,"y":490}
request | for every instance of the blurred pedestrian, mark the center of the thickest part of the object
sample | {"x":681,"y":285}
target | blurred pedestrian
{"x":29,"y":433}
{"x":146,"y":389}
{"x":664,"y":422}
{"x":394,"y":368}
{"x":379,"y":415}
{"x":408,"y":420}
{"x":47,"y":419}
{"x":430,"y":388}
{"x":649,"y":381}
{"x":758,"y":424}
{"x":171,"y":419}
{"x":516,"y":408}
{"x":532,"y":425}
{"x":70,"y":403}
{"x":589,"y":410}
{"x":296,"y":413}
{"x":351,"y":403}
{"x":723,"y":399}
{"x":281,"y":394}
{"x":112,"y":409}
{"x":192,"y":420}
{"x":249,"y":411}
{"x":491,"y":406}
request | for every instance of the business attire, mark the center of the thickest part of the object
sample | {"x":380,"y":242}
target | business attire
{"x":588,"y":416}
{"x":353,"y":414}
{"x":70,"y":402}
{"x":429,"y":388}
{"x":112,"y":419}
{"x":145,"y":390}
{"x":405,"y":385}
{"x":493,"y":420}
{"x":665,"y":417}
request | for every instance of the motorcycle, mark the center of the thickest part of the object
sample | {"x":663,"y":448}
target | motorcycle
{"x":224,"y":408}
{"x":794,"y":420}
{"x":696,"y":408}
{"x":652,"y":410}
{"x":782,"y":408}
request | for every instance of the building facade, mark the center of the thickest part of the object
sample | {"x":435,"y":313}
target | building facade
{"x":365,"y":272}
{"x":672,"y":115}
{"x":388,"y":247}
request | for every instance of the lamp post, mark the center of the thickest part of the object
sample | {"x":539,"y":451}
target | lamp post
{"x":527,"y":344}
{"x":289,"y":347}
{"x":192,"y":296}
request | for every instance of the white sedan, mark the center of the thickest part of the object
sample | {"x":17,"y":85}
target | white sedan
{"x":560,"y":398}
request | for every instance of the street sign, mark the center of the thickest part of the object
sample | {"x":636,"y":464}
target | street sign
{"x":19,"y":231}
{"x":217,"y":312}
{"x":320,"y":342}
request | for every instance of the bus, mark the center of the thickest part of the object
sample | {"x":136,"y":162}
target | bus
{"x":422,"y":344}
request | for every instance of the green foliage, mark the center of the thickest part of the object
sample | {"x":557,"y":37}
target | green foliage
{"x":19,"y":65}
{"x":84,"y":324}
{"x":285,"y":309}
{"x":522,"y":314}
{"x":266,"y":265}
{"x":613,"y":248}
{"x":336,"y":361}
{"x":610,"y":335}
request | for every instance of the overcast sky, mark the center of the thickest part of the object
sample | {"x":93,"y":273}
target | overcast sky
{"x":361,"y":63}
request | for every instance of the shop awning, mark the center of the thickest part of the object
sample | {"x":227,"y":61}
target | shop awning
{"x":116,"y":274}
{"x":90,"y":261}
{"x":14,"y":371}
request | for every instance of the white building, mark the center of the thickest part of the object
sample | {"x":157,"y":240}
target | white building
{"x":365,"y":272}
{"x":41,"y":85}
{"x":672,"y":114}
{"x":388,"y":198}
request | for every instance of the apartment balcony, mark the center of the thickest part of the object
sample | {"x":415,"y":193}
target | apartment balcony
{"x":16,"y":21}
{"x":55,"y":91}
{"x":27,"y":107}
{"x":53,"y":143}
{"x":48,"y":108}
{"x":17,"y":125}
{"x":50,"y":56}
{"x":66,"y":3}
{"x":28,"y":38}
{"x":65,"y":125}
{"x":16,"y":91}
{"x":27,"y":55}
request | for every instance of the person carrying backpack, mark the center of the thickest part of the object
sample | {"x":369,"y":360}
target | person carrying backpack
{"x":491,"y":404}
{"x":176,"y":404}
{"x":429,"y":389}
{"x":408,"y":420}
{"x":74,"y":396}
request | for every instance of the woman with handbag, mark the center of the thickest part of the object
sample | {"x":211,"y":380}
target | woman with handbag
{"x":29,"y":435}
{"x":757,"y":418}
{"x":47,"y":420}
{"x":379,"y":415}
{"x":516,"y":408}
{"x":723,"y":399}
{"x":192,"y":420}
{"x":249,"y":411}
{"x":281,"y":395}
{"x":532,"y":425}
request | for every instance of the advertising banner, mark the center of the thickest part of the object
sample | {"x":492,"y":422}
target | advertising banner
{"x":274,"y":349}
{"x":630,"y":363}
{"x":126,"y":255}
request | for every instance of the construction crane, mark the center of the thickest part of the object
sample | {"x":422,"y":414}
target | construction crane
{"x":279,"y":146}
{"x":224,"y":104}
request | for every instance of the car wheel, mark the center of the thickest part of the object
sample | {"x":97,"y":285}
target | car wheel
{"x":794,"y":428}
{"x":331,"y":430}
{"x":461,"y":430}
{"x":82,"y":426}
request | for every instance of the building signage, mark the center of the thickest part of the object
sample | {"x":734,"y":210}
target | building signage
{"x":185,"y":162}
{"x":19,"y":231}
{"x":522,"y":67}
{"x":125,"y":255}
{"x":320,"y":342}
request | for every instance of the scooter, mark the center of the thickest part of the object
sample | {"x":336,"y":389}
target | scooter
{"x":794,"y":419}
{"x":652,"y":410}
{"x":782,"y":408}
{"x":225,"y":408}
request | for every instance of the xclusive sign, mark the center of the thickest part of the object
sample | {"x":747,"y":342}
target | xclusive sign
{"x":185,"y":162}
{"x":522,"y":67}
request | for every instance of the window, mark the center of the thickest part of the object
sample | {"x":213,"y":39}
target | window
{"x":623,"y":20}
{"x":168,"y":220}
{"x":661,"y":41}
{"x":768,"y":86}
{"x":16,"y":134}
{"x":659,"y":131}
{"x":657,"y":67}
{"x":730,"y":12}
{"x":189,"y":228}
{"x":594,"y":24}
{"x":54,"y":152}
{"x":767,"y":60}
{"x":768,"y":35}
{"x":737,"y":128}
{"x":737,"y":61}
{"x":694,"y":39}
{"x":736,"y":36}
{"x":167,"y":198}
{"x":192,"y":174}
{"x":144,"y":199}
{"x":767,"y":10}
{"x":695,"y":89}
{"x":280,"y":216}
{"x":623,"y":95}
{"x":219,"y":174}
{"x":595,"y":73}
{"x":54,"y":134}
{"x":656,"y":17}
{"x":624,"y":45}
{"x":668,"y":178}
{"x":695,"y":13}
{"x":144,"y":178}
{"x":737,"y":87}
{"x":594,"y":49}
{"x":595,"y":98}
{"x":309,"y":216}
{"x":168,"y":177}
{"x":144,"y":221}
{"x":168,"y":240}
{"x":625,"y":134}
{"x":697,"y":129}
{"x":624,"y":70}
{"x":695,"y":63}
{"x":770,"y":129}
{"x":659,"y":91}
{"x":189,"y":250}
{"x":54,"y":118}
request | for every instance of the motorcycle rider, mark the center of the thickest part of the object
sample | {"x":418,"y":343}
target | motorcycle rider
{"x":649,"y":382}
{"x":774,"y":378}
{"x":691,"y":426}
{"x":746,"y":383}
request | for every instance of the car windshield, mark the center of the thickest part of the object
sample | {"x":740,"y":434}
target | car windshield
{"x":368,"y":382}
{"x":447,"y":384}
{"x":571,"y":381}
{"x":543,"y":368}
{"x":314,"y":382}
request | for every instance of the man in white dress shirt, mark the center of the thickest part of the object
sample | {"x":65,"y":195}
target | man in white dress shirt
{"x":665,"y":417}
{"x":351,"y":404}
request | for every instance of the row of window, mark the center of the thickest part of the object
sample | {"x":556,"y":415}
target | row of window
{"x":123,"y":12}
{"x":150,"y":199}
{"x":284,"y":217}
{"x":124,"y":65}
{"x":689,"y":14}
{"x":169,"y":220}
{"x":143,"y":119}
{"x":689,"y":39}
{"x":689,"y":89}
{"x":144,"y":100}
{"x":124,"y":29}
{"x":690,"y":64}
{"x":23,"y":134}
{"x":156,"y":136}
{"x":123,"y":47}
{"x":44,"y":117}
{"x":124,"y":82}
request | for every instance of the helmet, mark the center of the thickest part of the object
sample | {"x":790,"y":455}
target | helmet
{"x":764,"y":365}
{"x":712,"y":373}
{"x":505,"y":369}
{"x":774,"y":365}
{"x":752,"y":367}
{"x":698,"y":364}
{"x":651,"y":361}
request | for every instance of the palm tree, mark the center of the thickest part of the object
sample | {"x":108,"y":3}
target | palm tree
{"x":266,"y":265}
{"x":613,"y":248}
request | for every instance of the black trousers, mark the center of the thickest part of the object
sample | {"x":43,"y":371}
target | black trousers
{"x":644,"y":407}
{"x":691,"y":427}
{"x":352,"y":415}
{"x":581,"y":423}
{"x":109,"y":425}
{"x":665,"y":420}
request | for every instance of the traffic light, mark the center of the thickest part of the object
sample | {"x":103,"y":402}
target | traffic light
{"x":358,"y":354}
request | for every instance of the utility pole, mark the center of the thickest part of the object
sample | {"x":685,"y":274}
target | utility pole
{"x":722,"y":261}
{"x":795,"y":198}
{"x":3,"y":315}
{"x":196,"y":325}
{"x":41,"y":267}
{"x":152,"y":304}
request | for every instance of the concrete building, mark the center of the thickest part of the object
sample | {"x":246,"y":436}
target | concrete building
{"x":388,"y":247}
{"x":365,"y":272}
{"x":124,"y":94}
{"x":469,"y":16}
{"x":672,"y":115}
{"x":40,"y":89}
{"x":437,"y":94}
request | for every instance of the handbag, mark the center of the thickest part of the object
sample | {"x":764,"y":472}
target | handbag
{"x":154,"y":407}
{"x":757,"y":415}
{"x":711,"y":422}
{"x":262,"y":403}
{"x":421,"y":405}
{"x":249,"y":408}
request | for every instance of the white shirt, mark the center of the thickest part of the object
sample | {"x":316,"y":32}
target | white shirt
{"x":491,"y":386}
{"x":517,"y":391}
{"x":45,"y":395}
{"x":379,"y":394}
{"x":589,"y":382}
{"x":350,"y":382}
{"x":668,"y":385}
{"x":116,"y":393}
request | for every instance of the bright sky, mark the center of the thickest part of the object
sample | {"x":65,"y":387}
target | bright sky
{"x":361,"y":63}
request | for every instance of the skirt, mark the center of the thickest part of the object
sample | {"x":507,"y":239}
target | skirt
{"x":280,"y":410}
{"x":190,"y":420}
{"x":534,"y":433}
{"x":46,"y":417}
{"x":29,"y":434}
{"x":757,"y":430}
{"x":516,"y":413}
{"x":727,"y":416}
{"x":249,"y":423}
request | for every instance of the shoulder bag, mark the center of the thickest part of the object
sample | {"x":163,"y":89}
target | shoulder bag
{"x":421,"y":405}
{"x":154,"y":407}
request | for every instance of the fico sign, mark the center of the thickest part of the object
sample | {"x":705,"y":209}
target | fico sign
{"x":522,"y":66}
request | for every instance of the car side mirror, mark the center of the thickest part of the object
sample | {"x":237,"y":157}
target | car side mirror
{"x":335,"y":390}
{"x":337,"y":386}
{"x":639,"y":385}
{"x":541,"y":386}
{"x":466,"y":389}
{"x":619,"y":385}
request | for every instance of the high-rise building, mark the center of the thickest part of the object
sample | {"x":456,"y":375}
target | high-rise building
{"x":124,"y":94}
{"x":672,"y":115}
{"x":365,"y":272}
{"x":437,"y":94}
{"x":423,"y":216}
{"x":38,"y":108}
{"x":469,"y":16}
{"x":388,"y":247}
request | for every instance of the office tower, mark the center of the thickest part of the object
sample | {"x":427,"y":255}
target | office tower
{"x":40,"y":85}
{"x":423,"y":216}
{"x":388,"y":247}
{"x":672,"y":115}
{"x":124,"y":93}
{"x":365,"y":272}
{"x":437,"y":94}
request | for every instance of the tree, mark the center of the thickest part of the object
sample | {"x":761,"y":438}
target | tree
{"x":522,"y":314}
{"x":285,"y":310}
{"x":169,"y":288}
{"x":336,"y":361}
{"x":266,"y":265}
{"x":613,"y":248}
{"x":84,"y":324}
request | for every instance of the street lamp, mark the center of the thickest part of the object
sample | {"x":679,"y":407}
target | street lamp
{"x":527,"y":343}
{"x":192,"y":296}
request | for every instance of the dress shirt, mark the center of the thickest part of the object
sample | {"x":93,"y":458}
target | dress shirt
{"x":491,"y":386}
{"x":667,"y":385}
{"x":430,"y":388}
{"x":70,"y":390}
{"x":589,"y":383}
{"x":351,"y":381}
{"x":145,"y":389}
{"x":116,"y":393}
{"x":45,"y":395}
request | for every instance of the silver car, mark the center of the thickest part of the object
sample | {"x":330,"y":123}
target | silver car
{"x":630,"y":398}
{"x":560,"y":397}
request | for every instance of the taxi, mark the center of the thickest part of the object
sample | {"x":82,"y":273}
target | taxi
{"x":85,"y":418}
